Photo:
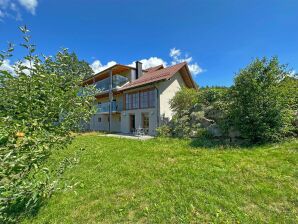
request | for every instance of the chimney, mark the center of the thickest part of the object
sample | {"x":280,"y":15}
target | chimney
{"x":139,"y":70}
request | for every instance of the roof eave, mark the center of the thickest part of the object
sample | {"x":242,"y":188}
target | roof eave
{"x":142,"y":85}
{"x":190,"y":76}
{"x":106,"y":70}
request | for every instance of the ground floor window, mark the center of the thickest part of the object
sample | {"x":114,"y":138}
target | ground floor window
{"x":145,"y":120}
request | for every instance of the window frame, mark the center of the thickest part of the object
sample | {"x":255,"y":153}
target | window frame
{"x":144,"y":99}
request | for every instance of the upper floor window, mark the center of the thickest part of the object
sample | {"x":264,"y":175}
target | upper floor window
{"x":147,"y":99}
{"x":143,"y":99}
{"x":132,"y":101}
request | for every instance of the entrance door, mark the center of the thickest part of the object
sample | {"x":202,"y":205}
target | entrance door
{"x":132,"y":122}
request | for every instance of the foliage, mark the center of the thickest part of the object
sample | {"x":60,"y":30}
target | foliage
{"x":258,"y":108}
{"x":175,"y":181}
{"x":183,"y":103}
{"x":289,"y":91}
{"x":164,"y":131}
{"x":39,"y":106}
{"x":184,"y":100}
{"x":65,"y":63}
{"x":261,"y":106}
{"x":195,"y":110}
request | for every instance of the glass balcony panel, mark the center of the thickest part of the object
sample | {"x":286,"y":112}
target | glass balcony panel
{"x":119,"y":80}
{"x":105,"y":107}
{"x":102,"y":85}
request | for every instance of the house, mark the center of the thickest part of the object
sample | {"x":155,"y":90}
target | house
{"x":131,"y":98}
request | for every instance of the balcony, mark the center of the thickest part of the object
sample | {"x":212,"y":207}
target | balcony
{"x":105,"y":107}
{"x":117,"y":81}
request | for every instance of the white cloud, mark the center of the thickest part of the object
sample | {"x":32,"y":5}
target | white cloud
{"x":195,"y":69}
{"x":293,"y":73}
{"x":150,"y":62}
{"x":11,"y":8}
{"x":97,"y":65}
{"x":26,"y":64}
{"x":12,"y":68}
{"x":175,"y":55}
{"x":175,"y":52}
{"x":30,"y":5}
{"x":176,"y":58}
{"x":7,"y":67}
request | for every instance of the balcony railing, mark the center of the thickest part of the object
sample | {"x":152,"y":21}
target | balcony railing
{"x":105,"y":107}
{"x":117,"y":81}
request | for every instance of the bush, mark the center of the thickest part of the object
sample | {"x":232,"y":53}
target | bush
{"x":261,"y":106}
{"x":258,"y":108}
{"x":198,"y":111}
{"x":164,"y":131}
{"x":38,"y":109}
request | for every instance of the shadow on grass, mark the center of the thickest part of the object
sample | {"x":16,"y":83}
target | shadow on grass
{"x":215,"y":143}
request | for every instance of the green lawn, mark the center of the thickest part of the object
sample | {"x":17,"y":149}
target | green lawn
{"x":175,"y":181}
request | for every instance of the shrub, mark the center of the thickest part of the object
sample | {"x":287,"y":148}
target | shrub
{"x":164,"y":131}
{"x":258,"y":108}
{"x":196,"y":111}
{"x":38,"y":109}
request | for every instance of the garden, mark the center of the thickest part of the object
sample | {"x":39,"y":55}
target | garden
{"x":228,"y":155}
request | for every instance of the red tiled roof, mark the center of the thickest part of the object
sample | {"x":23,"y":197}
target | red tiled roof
{"x":154,"y":76}
{"x":152,"y":69}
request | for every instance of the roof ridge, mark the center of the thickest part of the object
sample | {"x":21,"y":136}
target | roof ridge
{"x":154,"y":76}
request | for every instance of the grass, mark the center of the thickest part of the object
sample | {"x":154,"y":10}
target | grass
{"x":175,"y":181}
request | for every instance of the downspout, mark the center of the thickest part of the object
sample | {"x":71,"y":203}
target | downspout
{"x":157,"y":105}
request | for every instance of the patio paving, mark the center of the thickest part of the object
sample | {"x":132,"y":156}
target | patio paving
{"x":129,"y":136}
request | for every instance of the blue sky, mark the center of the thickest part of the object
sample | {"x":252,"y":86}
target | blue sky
{"x":218,"y":36}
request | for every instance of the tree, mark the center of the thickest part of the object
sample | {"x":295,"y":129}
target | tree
{"x":184,"y":99}
{"x":40,"y":106}
{"x":69,"y":64}
{"x":258,"y":108}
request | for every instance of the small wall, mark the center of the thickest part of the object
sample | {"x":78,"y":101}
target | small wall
{"x":100,"y":122}
{"x":116,"y":123}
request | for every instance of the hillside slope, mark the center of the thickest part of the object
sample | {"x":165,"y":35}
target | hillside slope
{"x":173,"y":181}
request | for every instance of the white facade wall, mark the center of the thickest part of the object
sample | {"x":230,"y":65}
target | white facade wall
{"x":167,"y":91}
{"x":116,"y":123}
{"x":97,"y":125}
{"x":125,"y":120}
{"x":102,"y":124}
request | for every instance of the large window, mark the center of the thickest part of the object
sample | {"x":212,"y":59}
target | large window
{"x":132,"y":101}
{"x":151,"y":98}
{"x":135,"y":100}
{"x":147,"y":99}
{"x":142,"y":99}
